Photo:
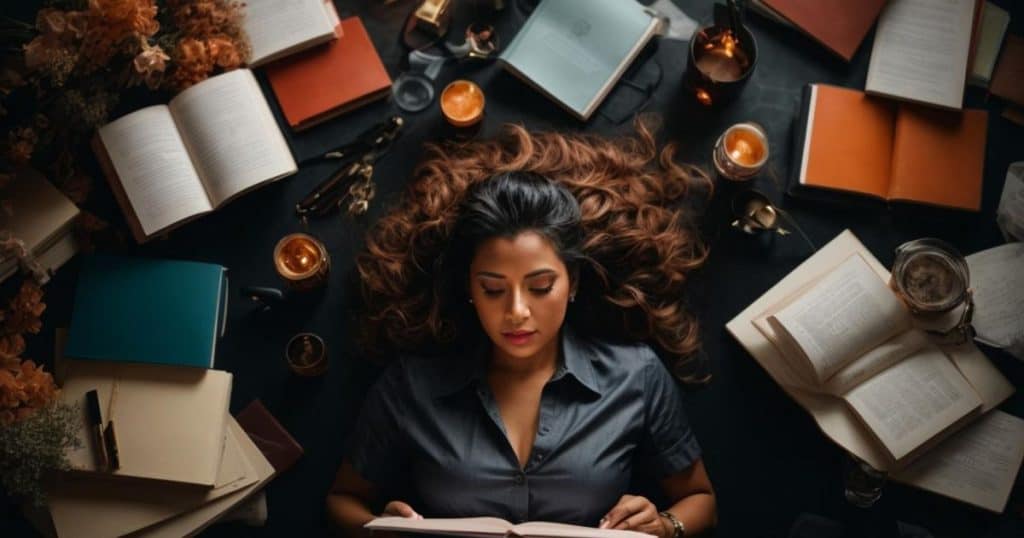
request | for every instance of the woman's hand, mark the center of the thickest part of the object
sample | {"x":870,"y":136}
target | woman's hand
{"x":636,"y":514}
{"x":400,"y":509}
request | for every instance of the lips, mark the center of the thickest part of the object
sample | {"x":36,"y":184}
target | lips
{"x":518,"y":338}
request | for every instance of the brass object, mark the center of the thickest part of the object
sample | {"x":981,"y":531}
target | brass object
{"x":434,"y":16}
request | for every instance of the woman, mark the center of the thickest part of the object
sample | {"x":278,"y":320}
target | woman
{"x":529,"y":267}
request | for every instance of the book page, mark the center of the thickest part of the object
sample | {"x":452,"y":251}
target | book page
{"x":463,"y":526}
{"x":921,"y":50}
{"x":875,"y":360}
{"x":848,"y":312}
{"x":154,"y":168}
{"x":977,"y":465}
{"x":544,"y":529}
{"x":279,"y":27}
{"x":938,"y":156}
{"x":911,"y":402}
{"x":998,"y":283}
{"x":231,"y":133}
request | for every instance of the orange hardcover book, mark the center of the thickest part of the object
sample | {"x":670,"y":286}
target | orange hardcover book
{"x":852,"y":142}
{"x":840,"y":25}
{"x":321,"y":83}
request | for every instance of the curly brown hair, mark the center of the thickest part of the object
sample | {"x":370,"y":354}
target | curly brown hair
{"x":639,"y":241}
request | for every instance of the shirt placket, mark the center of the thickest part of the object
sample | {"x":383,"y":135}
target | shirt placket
{"x":520,"y":490}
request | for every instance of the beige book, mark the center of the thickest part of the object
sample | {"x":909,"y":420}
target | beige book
{"x":170,"y":421}
{"x":41,"y":216}
{"x":490,"y":527}
{"x":834,"y":415}
{"x":849,"y":336}
{"x":194,"y":522}
{"x":212,"y":143}
{"x":277,"y":28}
{"x":96,"y":507}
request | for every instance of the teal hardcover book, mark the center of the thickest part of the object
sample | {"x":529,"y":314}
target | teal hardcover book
{"x":148,"y":310}
{"x":574,"y":51}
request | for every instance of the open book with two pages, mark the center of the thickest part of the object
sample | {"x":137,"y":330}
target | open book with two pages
{"x":492,"y":527}
{"x":168,"y":164}
{"x":837,"y":340}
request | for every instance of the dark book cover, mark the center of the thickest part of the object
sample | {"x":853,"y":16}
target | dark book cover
{"x":276,"y":444}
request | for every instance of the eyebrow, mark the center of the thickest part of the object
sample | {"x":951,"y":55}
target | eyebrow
{"x":531,"y":274}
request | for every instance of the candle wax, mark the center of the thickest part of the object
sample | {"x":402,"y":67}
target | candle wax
{"x":462,"y":102}
{"x":300,"y":256}
{"x":744,"y":147}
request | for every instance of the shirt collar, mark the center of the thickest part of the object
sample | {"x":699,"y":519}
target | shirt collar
{"x":471,"y":369}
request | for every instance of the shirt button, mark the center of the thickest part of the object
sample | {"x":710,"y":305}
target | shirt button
{"x":519,"y":479}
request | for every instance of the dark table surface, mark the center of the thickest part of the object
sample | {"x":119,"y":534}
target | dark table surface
{"x":767,"y":459}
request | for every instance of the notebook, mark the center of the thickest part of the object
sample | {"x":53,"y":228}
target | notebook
{"x":94,"y":507}
{"x":322,"y":83}
{"x":852,"y":143}
{"x":148,"y":310}
{"x":42,"y":217}
{"x":170,"y":421}
{"x":921,"y":51}
{"x":994,"y":22}
{"x":839,"y":25}
{"x":574,"y":51}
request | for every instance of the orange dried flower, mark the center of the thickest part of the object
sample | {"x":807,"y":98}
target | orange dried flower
{"x":24,"y":310}
{"x":11,"y":346}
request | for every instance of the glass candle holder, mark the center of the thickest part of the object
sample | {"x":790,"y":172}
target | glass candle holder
{"x":720,"y":63}
{"x":302,"y":261}
{"x":306,"y":354}
{"x":741,"y":151}
{"x":462,"y":103}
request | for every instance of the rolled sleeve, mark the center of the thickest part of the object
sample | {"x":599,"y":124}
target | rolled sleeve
{"x":669,"y":445}
{"x":378,"y":447}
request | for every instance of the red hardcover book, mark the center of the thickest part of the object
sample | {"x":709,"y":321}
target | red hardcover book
{"x":321,"y":83}
{"x":840,"y":25}
{"x":276,"y":444}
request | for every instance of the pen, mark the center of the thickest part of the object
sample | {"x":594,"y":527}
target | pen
{"x":92,"y":405}
{"x":110,"y":442}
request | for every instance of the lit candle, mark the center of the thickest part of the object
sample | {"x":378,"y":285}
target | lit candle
{"x":741,"y":151}
{"x":462,"y":103}
{"x":301,"y":261}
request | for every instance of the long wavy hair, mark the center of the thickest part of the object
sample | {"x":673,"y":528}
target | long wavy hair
{"x":638,"y":242}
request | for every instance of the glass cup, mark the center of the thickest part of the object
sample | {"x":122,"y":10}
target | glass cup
{"x":741,"y":152}
{"x":306,"y":354}
{"x":302,"y":261}
{"x":862,"y":482}
{"x":720,"y":63}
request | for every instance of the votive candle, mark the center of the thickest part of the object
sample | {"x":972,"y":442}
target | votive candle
{"x":741,"y":151}
{"x":462,"y":103}
{"x":302,"y":261}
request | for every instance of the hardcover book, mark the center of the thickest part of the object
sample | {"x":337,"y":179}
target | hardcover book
{"x":574,"y":51}
{"x":148,"y":310}
{"x":168,"y":164}
{"x":278,"y":28}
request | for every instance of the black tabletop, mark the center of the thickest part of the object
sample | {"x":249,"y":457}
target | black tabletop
{"x":767,"y":459}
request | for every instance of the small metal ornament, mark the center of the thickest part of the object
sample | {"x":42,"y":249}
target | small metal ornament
{"x":755,"y":214}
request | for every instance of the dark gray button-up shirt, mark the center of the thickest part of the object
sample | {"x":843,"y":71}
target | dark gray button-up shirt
{"x":609,"y":411}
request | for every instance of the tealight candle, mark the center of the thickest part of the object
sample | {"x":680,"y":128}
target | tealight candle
{"x":462,"y":103}
{"x":301,"y":261}
{"x":741,"y":151}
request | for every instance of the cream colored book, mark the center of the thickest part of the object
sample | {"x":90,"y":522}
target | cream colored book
{"x":194,"y":522}
{"x":491,"y":527}
{"x":277,"y":28}
{"x":170,"y":421}
{"x":848,"y":335}
{"x":42,"y":217}
{"x":833,"y":414}
{"x":169,"y":164}
{"x":92,"y":506}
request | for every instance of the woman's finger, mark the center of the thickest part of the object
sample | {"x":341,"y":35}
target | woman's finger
{"x":401,"y":509}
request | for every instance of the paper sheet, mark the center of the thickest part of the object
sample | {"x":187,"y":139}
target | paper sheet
{"x":997,"y":277}
{"x":1010,"y":214}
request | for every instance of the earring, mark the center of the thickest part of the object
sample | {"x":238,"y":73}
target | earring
{"x":470,"y":300}
{"x":572,"y":298}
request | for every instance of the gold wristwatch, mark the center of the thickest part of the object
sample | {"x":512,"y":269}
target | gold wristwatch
{"x":680,"y":529}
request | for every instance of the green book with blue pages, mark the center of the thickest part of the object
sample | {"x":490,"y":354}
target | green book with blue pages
{"x":574,"y":51}
{"x":148,"y":310}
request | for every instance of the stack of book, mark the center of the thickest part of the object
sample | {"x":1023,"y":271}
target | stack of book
{"x":836,"y":339}
{"x":42,"y":218}
{"x":161,"y":456}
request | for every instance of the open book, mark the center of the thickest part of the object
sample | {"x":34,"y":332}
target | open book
{"x":849,"y":336}
{"x":214,"y":141}
{"x":490,"y":527}
{"x":277,"y":28}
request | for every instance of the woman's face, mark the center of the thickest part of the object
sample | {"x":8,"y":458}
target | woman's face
{"x":520,"y":289}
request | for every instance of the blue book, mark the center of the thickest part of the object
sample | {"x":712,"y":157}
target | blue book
{"x":574,"y":51}
{"x":147,"y":310}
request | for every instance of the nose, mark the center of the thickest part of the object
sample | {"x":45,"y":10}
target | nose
{"x":518,"y":311}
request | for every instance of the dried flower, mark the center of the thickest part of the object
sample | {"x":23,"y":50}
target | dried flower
{"x":24,"y":309}
{"x":51,"y":21}
{"x":150,"y":65}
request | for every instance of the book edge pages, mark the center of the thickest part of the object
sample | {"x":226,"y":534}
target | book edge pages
{"x":808,"y":133}
{"x":627,"y":61}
